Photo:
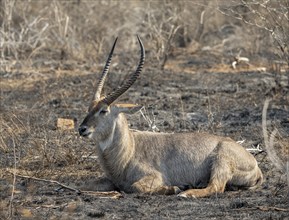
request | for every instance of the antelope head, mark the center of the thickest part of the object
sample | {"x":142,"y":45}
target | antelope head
{"x":102,"y":114}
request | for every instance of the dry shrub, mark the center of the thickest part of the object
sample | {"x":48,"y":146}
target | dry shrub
{"x":268,"y":16}
{"x":27,"y":28}
{"x":43,"y":31}
{"x":61,"y":30}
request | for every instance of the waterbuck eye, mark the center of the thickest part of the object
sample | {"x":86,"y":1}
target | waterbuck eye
{"x":103,"y":111}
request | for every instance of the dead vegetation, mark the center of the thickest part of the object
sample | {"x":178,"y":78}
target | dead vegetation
{"x":276,"y":143}
{"x":50,"y":52}
{"x":268,"y":16}
{"x":41,"y":33}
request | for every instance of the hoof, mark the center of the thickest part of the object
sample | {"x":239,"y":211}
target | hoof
{"x":182,"y":195}
{"x":185,"y":195}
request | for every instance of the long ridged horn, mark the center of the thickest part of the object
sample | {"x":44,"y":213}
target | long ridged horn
{"x":132,"y":78}
{"x":99,"y":85}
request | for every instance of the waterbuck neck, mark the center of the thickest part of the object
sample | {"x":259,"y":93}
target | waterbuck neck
{"x":106,"y":143}
{"x":117,"y":150}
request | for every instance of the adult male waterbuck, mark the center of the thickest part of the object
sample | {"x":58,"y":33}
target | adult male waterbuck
{"x":191,"y":164}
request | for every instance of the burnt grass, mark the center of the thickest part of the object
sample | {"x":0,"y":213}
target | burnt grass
{"x":191,"y":97}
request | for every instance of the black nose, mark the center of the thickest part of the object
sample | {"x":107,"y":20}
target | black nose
{"x":82,"y":130}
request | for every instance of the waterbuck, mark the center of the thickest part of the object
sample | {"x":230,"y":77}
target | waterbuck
{"x":187,"y":164}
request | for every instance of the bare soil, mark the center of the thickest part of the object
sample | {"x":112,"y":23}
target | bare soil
{"x":192,"y":93}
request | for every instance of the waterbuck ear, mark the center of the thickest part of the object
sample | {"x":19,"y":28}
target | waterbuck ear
{"x":128,"y":108}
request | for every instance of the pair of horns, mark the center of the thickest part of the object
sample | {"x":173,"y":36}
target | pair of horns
{"x":132,"y":78}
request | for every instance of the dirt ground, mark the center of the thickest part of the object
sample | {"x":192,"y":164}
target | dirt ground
{"x":192,"y":93}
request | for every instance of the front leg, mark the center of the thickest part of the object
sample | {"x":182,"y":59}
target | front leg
{"x":102,"y":184}
{"x":153,"y":184}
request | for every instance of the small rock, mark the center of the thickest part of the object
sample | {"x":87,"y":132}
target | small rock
{"x":65,"y":124}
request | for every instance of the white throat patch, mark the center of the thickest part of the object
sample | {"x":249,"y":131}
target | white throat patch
{"x":107,"y":142}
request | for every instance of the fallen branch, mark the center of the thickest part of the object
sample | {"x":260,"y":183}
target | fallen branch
{"x":47,"y":181}
{"x":263,"y":208}
{"x":110,"y":194}
{"x":271,"y":208}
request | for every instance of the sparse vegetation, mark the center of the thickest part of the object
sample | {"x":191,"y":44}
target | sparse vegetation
{"x":270,"y":16}
{"x":59,"y":30}
{"x":51,"y":52}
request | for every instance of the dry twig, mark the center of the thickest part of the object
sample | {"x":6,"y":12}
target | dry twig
{"x":14,"y":182}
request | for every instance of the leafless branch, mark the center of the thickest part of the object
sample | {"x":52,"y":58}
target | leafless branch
{"x":269,"y":141}
{"x":47,"y":181}
{"x":271,"y":16}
